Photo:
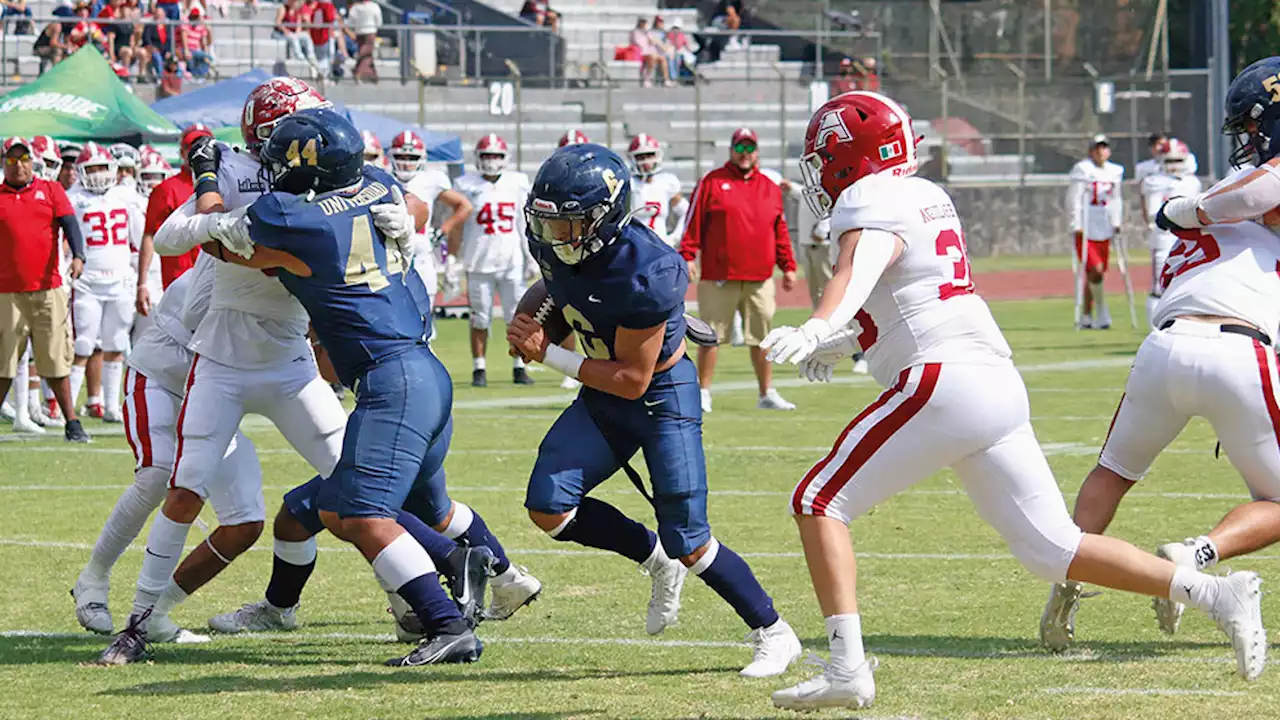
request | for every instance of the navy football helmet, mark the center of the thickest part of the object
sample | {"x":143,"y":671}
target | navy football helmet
{"x":580,"y":200}
{"x":316,"y":149}
{"x":1253,"y":112}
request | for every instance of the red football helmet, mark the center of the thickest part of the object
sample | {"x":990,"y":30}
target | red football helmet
{"x":408,"y":155}
{"x":45,"y":151}
{"x":646,"y":155}
{"x":574,"y":137}
{"x":850,"y":137}
{"x":96,"y":168}
{"x":373,"y":154}
{"x":272,"y":101}
{"x":491,"y":155}
{"x":1175,"y":156}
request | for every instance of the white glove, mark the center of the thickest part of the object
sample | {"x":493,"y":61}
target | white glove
{"x":820,"y":365}
{"x":452,"y":285}
{"x":232,"y":230}
{"x":794,"y":344}
{"x":393,"y":218}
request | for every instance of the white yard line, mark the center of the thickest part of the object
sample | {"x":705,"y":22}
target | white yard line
{"x":1141,"y":691}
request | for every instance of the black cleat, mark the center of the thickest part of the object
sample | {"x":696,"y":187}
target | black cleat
{"x":520,"y":376}
{"x":442,"y":649}
{"x":478,"y":379}
{"x":74,"y":432}
{"x":470,"y":568}
{"x":130,"y":645}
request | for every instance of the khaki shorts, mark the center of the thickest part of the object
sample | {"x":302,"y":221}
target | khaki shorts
{"x":44,"y":316}
{"x":717,"y":302}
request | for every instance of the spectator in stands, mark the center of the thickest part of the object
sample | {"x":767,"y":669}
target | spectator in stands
{"x":683,"y":47}
{"x":845,"y":81}
{"x":64,"y":9}
{"x":322,"y":16}
{"x":172,"y":10}
{"x":735,"y":221}
{"x":85,"y":30}
{"x":119,"y":30}
{"x":662,"y":41}
{"x":49,"y":46}
{"x":157,"y":42}
{"x":364,"y":18}
{"x":289,"y":19}
{"x":170,"y":78}
{"x":196,"y":48}
{"x":17,"y":8}
{"x":32,"y":301}
{"x":652,"y":61}
{"x":538,"y":13}
{"x":870,"y":80}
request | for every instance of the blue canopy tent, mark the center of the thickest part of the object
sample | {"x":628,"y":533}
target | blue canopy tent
{"x":220,"y":105}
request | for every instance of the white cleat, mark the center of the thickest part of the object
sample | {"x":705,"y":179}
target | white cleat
{"x":91,"y":607}
{"x":860,"y":366}
{"x":1238,"y":612}
{"x":408,"y":626}
{"x":771,"y":400}
{"x":1058,"y":621}
{"x":112,"y":416}
{"x":162,"y":629}
{"x":776,"y":647}
{"x":26,"y":425}
{"x":569,"y":383}
{"x":1168,"y":612}
{"x":706,"y":401}
{"x":507,"y":595}
{"x":6,"y":410}
{"x":40,"y":416}
{"x":664,"y":599}
{"x":261,"y":616}
{"x":831,"y":691}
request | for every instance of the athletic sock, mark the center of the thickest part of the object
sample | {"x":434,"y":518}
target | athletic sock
{"x":468,"y":526}
{"x":77,"y":380}
{"x":728,"y":574}
{"x":172,"y":596}
{"x":125,"y":522}
{"x":405,"y":566}
{"x":291,"y":567}
{"x":112,"y":375}
{"x":477,"y":363}
{"x":517,"y":362}
{"x":20,"y":395}
{"x":164,"y":551}
{"x":1206,"y":552}
{"x":844,"y":634}
{"x":1192,"y":587}
{"x":600,"y":525}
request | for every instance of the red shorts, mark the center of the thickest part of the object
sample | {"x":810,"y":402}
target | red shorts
{"x":1099,"y":253}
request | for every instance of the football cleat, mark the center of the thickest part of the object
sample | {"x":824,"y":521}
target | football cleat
{"x":74,"y":432}
{"x":1058,"y":621}
{"x":479,"y":379}
{"x":162,"y":629}
{"x":771,"y":400}
{"x":27,"y":425}
{"x":261,"y":616}
{"x":40,"y":415}
{"x":831,"y":691}
{"x":6,"y":410}
{"x":706,"y":401}
{"x":512,"y":593}
{"x":775,"y":648}
{"x":112,"y":416}
{"x":130,"y":645}
{"x":1238,"y":612}
{"x":442,"y":649}
{"x":1168,"y":612}
{"x":91,"y":607}
{"x":467,"y":588}
{"x":93,"y":410}
{"x":664,"y":598}
{"x":408,"y":626}
{"x":520,"y":376}
{"x":860,"y":366}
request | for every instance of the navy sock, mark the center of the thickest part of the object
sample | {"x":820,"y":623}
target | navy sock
{"x":733,"y":580}
{"x":287,"y":580}
{"x":432,"y":606}
{"x":601,"y":525}
{"x":478,"y":535}
{"x":437,"y":546}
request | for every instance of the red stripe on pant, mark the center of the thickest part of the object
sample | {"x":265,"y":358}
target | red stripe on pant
{"x":797,"y":499}
{"x":182,"y":416}
{"x":1112,"y":426}
{"x":1268,"y":388}
{"x":144,"y":423}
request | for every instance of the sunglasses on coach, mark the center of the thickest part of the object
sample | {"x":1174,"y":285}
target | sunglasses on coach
{"x":743,"y":147}
{"x":15,"y":159}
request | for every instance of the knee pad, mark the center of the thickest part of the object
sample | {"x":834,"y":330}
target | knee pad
{"x":152,"y":484}
{"x":84,"y":346}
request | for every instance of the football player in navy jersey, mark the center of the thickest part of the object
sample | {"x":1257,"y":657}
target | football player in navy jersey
{"x":622,"y":291}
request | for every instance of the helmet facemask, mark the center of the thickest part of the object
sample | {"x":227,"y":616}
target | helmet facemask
{"x":491,"y":163}
{"x":819,"y":200}
{"x":572,"y":236}
{"x":97,"y":177}
{"x":407,"y":164}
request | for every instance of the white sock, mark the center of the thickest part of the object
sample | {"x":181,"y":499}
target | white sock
{"x":1206,"y":552}
{"x":844,"y":633}
{"x":112,"y":375}
{"x":164,"y":552}
{"x":77,"y":380}
{"x":169,"y":599}
{"x":477,"y":363}
{"x":33,"y":398}
{"x":402,"y":560}
{"x":93,"y":400}
{"x":460,"y":522}
{"x":517,"y":362}
{"x":125,"y":522}
{"x":19,"y":392}
{"x":1099,"y":299}
{"x":505,"y":576}
{"x":1192,"y":587}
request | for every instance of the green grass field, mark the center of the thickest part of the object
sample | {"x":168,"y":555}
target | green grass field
{"x":951,"y":616}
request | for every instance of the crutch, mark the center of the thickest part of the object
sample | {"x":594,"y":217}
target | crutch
{"x":1077,"y":272}
{"x":1122,"y":260}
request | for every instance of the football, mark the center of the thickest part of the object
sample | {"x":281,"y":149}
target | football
{"x":538,"y":304}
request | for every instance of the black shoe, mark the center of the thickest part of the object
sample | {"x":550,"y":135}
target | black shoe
{"x":478,"y":379}
{"x":73,"y":432}
{"x":444,"y":648}
{"x":130,"y":645}
{"x":468,"y":577}
{"x":520,"y":376}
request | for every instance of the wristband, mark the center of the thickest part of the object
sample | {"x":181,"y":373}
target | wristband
{"x":564,"y":361}
{"x":206,"y":183}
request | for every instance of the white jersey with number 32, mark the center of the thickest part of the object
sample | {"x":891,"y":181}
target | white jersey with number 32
{"x":923,"y":309}
{"x":1224,"y":270}
{"x":110,"y":224}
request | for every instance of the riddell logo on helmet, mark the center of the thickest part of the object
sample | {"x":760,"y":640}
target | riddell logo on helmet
{"x":541,"y":204}
{"x":832,"y":123}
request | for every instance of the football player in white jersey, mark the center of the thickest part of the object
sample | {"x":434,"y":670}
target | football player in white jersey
{"x":111,"y":221}
{"x":493,"y":248}
{"x":127,"y":160}
{"x":1210,"y":357}
{"x":1095,"y":208}
{"x":409,"y":164}
{"x":656,"y":195}
{"x":902,"y":289}
{"x":1173,"y":180}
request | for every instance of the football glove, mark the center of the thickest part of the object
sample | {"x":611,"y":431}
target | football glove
{"x":204,"y":156}
{"x":393,"y":218}
{"x":793,"y":344}
{"x":232,"y":231}
{"x":451,"y":287}
{"x":820,"y":365}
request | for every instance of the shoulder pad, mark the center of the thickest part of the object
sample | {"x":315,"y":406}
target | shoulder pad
{"x":873,"y":202}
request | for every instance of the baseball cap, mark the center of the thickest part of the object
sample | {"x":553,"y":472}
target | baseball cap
{"x":69,"y":150}
{"x":15,"y":142}
{"x":744,"y":135}
{"x":1100,"y":139}
{"x":194,"y":131}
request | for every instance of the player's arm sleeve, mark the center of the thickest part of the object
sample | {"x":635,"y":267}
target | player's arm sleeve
{"x":691,"y":240}
{"x":655,"y":293}
{"x":71,"y":231}
{"x":857,"y":271}
{"x":1256,"y":195}
{"x":183,"y":230}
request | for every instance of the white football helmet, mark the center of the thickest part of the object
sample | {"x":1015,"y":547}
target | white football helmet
{"x":491,"y":155}
{"x":408,"y":155}
{"x":96,"y":168}
{"x":646,"y":155}
{"x":153,"y":171}
{"x":1175,"y":156}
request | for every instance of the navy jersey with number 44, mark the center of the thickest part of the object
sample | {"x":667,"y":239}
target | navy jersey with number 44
{"x":636,"y":282}
{"x":359,"y":297}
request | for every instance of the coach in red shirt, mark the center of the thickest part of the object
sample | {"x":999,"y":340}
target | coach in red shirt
{"x":33,"y":302}
{"x":165,"y":198}
{"x":735,"y":220}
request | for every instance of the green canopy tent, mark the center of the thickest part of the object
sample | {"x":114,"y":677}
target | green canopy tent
{"x":81,"y":99}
